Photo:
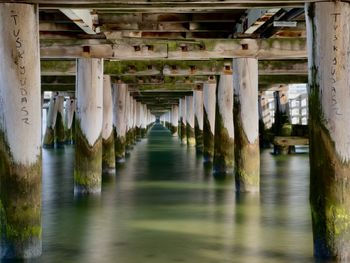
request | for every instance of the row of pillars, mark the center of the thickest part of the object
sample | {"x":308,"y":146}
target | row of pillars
{"x":222,"y":121}
{"x":20,"y":130}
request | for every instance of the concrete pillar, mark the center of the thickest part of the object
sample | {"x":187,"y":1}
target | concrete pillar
{"x":49,"y":137}
{"x":20,"y":132}
{"x":198,"y":117}
{"x":134,"y":130}
{"x":191,"y":140}
{"x":120,"y":99}
{"x":174,"y":119}
{"x":183,"y":135}
{"x":209,"y":101}
{"x":138,"y":120}
{"x":69,"y":117}
{"x":60,"y":136}
{"x":88,"y":152}
{"x":282,"y":126}
{"x":224,"y":132}
{"x":328,"y":34}
{"x":143,"y":120}
{"x":108,"y":155}
{"x":129,"y":121}
{"x":246,"y":123}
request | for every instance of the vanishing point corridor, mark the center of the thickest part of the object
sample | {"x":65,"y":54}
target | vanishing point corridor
{"x":163,"y":206}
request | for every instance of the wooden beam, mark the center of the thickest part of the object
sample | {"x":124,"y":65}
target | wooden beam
{"x":180,"y":6}
{"x":279,"y":48}
{"x":174,"y":68}
{"x":82,"y":18}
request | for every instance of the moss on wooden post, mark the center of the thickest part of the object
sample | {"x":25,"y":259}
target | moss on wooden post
{"x":88,"y":164}
{"x":246,"y":122}
{"x":223,"y":162}
{"x":20,"y":133}
{"x":329,"y":102}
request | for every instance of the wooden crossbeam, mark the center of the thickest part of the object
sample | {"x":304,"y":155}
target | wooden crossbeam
{"x":275,"y":48}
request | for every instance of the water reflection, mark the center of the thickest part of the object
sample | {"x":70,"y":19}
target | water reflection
{"x":163,"y":205}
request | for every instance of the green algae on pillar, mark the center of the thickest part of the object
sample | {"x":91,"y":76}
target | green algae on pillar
{"x":120,"y":98}
{"x":209,"y":101}
{"x":328,"y":35}
{"x":108,"y":156}
{"x":246,"y":123}
{"x":223,"y":162}
{"x":198,"y":117}
{"x":191,"y":140}
{"x":49,"y":136}
{"x":69,"y":117}
{"x":88,"y":151}
{"x":20,"y":132}
{"x":183,"y":121}
{"x":60,"y":136}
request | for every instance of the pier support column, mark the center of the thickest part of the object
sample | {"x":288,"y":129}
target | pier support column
{"x":174,"y":119}
{"x":60,"y":135}
{"x":209,"y":101}
{"x":191,"y":140}
{"x":223,"y":162}
{"x":108,"y":156}
{"x":183,"y":135}
{"x":282,"y":126}
{"x":49,"y":137}
{"x":128,"y":121}
{"x":198,"y":117}
{"x":328,"y":34}
{"x":143,"y":120}
{"x":20,"y":132}
{"x":246,"y":123}
{"x":120,"y":98}
{"x":88,"y":152}
{"x":138,"y":113}
{"x":69,"y":117}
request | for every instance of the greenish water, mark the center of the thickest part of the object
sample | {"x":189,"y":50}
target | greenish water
{"x":163,"y":206}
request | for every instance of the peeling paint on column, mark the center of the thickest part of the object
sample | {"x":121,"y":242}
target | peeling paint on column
{"x":209,"y":102}
{"x":246,"y":119}
{"x":329,"y":101}
{"x":20,"y":132}
{"x":120,"y":98}
{"x":108,"y":156}
{"x":88,"y":152}
{"x":223,"y":162}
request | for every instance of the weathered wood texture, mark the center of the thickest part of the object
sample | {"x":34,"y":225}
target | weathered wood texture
{"x":329,"y":100}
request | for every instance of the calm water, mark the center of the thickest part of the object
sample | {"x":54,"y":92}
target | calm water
{"x":163,"y":206}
